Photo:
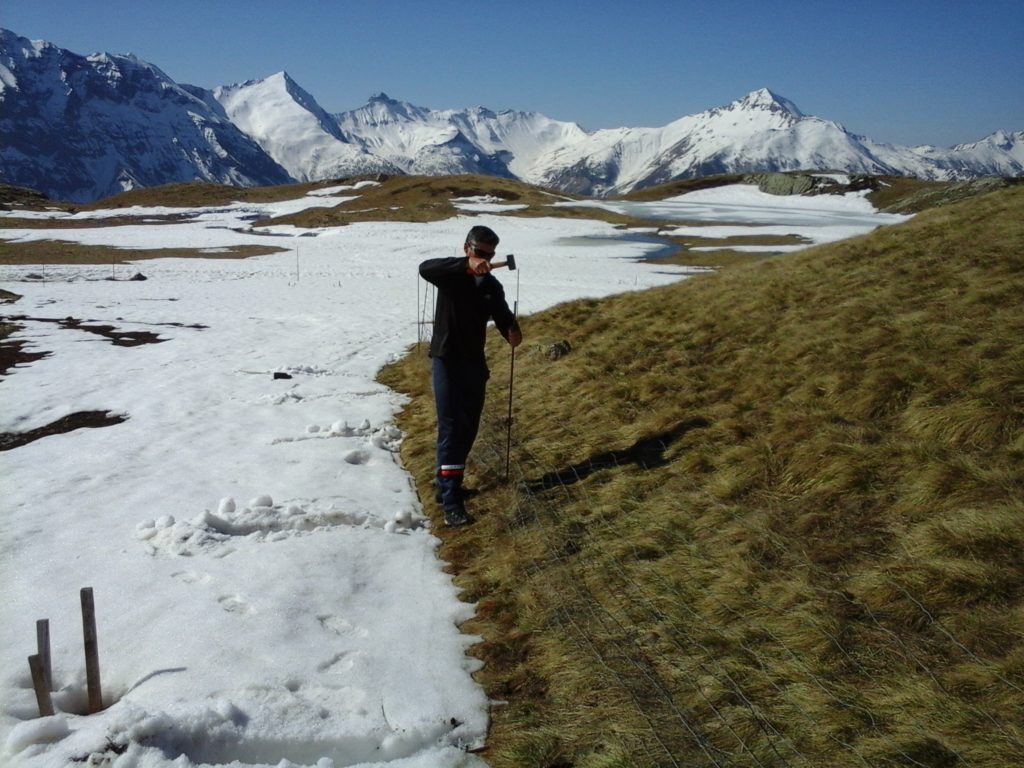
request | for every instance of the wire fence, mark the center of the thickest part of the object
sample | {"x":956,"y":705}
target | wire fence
{"x":426,"y":296}
{"x":663,"y":683}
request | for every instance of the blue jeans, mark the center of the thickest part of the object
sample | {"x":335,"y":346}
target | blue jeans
{"x":459,"y":388}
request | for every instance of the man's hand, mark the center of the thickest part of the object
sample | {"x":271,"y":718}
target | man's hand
{"x":515,"y":337}
{"x":478,"y":266}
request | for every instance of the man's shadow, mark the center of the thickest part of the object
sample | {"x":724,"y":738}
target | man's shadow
{"x":646,"y":453}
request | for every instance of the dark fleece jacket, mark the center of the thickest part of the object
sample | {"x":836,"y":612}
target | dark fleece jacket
{"x":465,"y":303}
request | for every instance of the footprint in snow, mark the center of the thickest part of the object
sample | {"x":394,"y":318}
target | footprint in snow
{"x":340,"y":626}
{"x":357,"y":457}
{"x":192,"y":577}
{"x":339,"y":663}
{"x":235,"y":604}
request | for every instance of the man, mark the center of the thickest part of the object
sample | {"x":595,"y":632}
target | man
{"x":468,"y":296}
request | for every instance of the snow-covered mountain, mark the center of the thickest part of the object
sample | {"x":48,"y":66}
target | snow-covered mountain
{"x":760,"y":132}
{"x":999,"y":154}
{"x":80,"y":128}
{"x":477,"y":140}
{"x":294,"y":130}
{"x":84,"y":127}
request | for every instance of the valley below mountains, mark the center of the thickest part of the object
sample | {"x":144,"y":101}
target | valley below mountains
{"x":79,"y":128}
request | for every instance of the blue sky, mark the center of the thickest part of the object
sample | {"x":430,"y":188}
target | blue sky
{"x":937,"y":72}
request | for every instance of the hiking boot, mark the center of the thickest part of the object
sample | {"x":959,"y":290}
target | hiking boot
{"x":464,"y":493}
{"x":457,"y":517}
{"x":449,"y":495}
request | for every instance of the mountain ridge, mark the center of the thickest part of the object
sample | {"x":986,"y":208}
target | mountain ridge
{"x":80,"y":128}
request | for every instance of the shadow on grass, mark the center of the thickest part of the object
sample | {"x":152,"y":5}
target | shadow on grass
{"x":646,"y":453}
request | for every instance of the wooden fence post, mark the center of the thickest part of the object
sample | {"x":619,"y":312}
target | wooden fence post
{"x":92,"y":652}
{"x":41,"y":685}
{"x":43,"y":649}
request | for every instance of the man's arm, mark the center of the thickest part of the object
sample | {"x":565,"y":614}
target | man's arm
{"x":508,"y":325}
{"x":440,"y":271}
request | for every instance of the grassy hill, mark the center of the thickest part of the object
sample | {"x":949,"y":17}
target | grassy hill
{"x":772,"y":516}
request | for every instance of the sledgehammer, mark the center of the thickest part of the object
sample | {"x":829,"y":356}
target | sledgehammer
{"x":510,"y":262}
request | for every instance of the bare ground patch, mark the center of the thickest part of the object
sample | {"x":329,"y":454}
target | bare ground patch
{"x":118,"y":338}
{"x":16,"y":222}
{"x":12,"y":352}
{"x":48,"y":252}
{"x":69,"y":423}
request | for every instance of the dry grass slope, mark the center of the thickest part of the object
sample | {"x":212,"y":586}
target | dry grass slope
{"x":429,"y":198}
{"x":772,"y":516}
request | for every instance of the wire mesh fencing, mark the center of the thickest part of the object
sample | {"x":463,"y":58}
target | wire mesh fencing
{"x":695,"y":699}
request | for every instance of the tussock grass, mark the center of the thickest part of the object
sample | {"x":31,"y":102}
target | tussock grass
{"x":771,"y":516}
{"x":897,"y":194}
{"x":429,"y":198}
{"x":12,"y":197}
{"x":902,"y":194}
{"x":682,"y":186}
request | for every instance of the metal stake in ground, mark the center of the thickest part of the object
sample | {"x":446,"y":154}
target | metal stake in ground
{"x":92,"y":652}
{"x":508,"y":421}
{"x":511,"y":263}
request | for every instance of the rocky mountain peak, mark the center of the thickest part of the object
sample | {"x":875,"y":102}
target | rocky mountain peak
{"x":764,"y":99}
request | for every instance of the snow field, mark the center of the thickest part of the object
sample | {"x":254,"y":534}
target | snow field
{"x":267,"y":587}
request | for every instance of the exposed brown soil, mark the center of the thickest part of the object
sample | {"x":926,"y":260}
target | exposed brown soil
{"x":69,"y":423}
{"x":13,"y":353}
{"x":63,"y":252}
{"x":118,"y":338}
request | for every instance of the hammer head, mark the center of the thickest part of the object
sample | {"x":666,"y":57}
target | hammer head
{"x":510,"y":262}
